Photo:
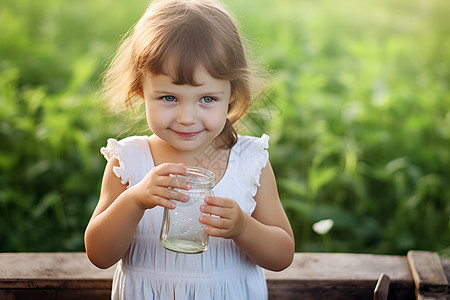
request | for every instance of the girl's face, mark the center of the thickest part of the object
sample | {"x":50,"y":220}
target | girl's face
{"x":187,"y":117}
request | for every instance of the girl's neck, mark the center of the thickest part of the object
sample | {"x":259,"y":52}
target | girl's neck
{"x":209,"y":157}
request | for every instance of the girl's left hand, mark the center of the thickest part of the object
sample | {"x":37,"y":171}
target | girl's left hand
{"x":227,"y":220}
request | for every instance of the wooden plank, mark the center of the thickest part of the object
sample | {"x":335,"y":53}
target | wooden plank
{"x":52,"y":270}
{"x":337,"y":266}
{"x":427,"y":272}
{"x":311,"y":276}
{"x":322,"y":290}
{"x":340,"y":276}
{"x":382,"y":288}
{"x":55,"y":294}
{"x":433,"y":297}
{"x":445,"y":262}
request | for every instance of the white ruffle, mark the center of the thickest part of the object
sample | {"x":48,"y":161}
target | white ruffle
{"x":252,"y":157}
{"x":114,"y":149}
{"x":131,"y":153}
{"x":262,"y":145}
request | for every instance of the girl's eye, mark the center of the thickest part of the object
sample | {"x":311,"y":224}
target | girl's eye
{"x":207,"y":99}
{"x":169,"y":98}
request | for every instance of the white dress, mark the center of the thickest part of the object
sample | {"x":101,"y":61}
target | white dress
{"x":149,"y":271}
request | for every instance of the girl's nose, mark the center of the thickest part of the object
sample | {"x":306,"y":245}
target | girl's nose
{"x":186,"y":114}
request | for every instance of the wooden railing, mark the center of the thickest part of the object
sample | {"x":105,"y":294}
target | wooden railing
{"x":420,"y":275}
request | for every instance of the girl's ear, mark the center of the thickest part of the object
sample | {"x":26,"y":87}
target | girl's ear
{"x":232,"y":98}
{"x":230,"y":104}
{"x":140,"y":92}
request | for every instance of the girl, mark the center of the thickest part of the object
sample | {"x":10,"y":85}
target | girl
{"x":185,"y":61}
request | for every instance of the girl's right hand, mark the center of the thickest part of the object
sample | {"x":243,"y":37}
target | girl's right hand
{"x":157,"y":187}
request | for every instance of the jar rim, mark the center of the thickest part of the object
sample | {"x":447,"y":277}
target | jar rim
{"x":198,"y":175}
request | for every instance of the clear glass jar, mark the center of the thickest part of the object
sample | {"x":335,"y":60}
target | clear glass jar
{"x":181,"y":230}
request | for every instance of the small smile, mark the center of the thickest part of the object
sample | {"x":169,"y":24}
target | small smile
{"x":186,"y":135}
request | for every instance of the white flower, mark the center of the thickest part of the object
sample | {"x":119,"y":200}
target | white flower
{"x":322,"y":227}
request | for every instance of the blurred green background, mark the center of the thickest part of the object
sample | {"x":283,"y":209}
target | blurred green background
{"x":358,"y":113}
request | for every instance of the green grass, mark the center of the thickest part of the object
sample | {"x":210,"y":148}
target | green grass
{"x":358,"y":114}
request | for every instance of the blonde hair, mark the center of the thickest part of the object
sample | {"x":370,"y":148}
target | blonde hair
{"x":189,"y":33}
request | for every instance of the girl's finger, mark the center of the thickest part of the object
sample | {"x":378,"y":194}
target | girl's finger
{"x":175,"y":182}
{"x":171,"y":194}
{"x":171,"y":168}
{"x":214,"y":210}
{"x":215,"y":222}
{"x":219,"y":201}
{"x":216,"y":232}
{"x":160,"y":201}
{"x":171,"y":181}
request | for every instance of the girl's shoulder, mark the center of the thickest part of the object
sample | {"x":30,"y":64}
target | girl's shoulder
{"x":130,"y":152}
{"x":128,"y":144}
{"x":247,"y":160}
{"x":250,"y":145}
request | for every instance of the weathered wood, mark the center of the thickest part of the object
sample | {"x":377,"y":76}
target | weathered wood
{"x":427,"y":272}
{"x":430,"y":297}
{"x":51,"y":270}
{"x":52,"y":276}
{"x":340,"y":276}
{"x":446,"y":266}
{"x":55,"y":294}
{"x":382,"y":288}
{"x":311,"y":276}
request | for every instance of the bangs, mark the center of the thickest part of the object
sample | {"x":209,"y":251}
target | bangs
{"x":185,"y":52}
{"x":187,"y":47}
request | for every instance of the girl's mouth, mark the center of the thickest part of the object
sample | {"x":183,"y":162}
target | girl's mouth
{"x":186,"y":135}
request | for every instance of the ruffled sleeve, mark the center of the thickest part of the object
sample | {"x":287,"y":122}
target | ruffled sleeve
{"x":253,"y":157}
{"x":130,"y":152}
{"x":262,"y":156}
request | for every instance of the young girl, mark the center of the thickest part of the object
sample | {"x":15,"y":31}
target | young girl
{"x":185,"y":61}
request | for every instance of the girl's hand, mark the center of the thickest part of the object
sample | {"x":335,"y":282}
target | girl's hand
{"x":228,"y":220}
{"x":157,"y":187}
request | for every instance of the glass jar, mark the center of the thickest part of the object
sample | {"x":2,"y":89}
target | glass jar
{"x":181,"y":230}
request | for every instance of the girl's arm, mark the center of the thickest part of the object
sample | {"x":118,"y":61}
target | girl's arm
{"x":266,"y":236}
{"x":119,"y":210}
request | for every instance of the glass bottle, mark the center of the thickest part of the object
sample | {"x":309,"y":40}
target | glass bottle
{"x":181,"y":230}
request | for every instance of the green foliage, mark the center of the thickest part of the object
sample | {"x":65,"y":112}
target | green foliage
{"x":50,"y":165}
{"x":361,"y":120}
{"x":358,"y":114}
{"x":51,"y":124}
